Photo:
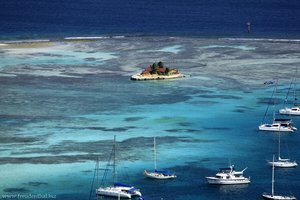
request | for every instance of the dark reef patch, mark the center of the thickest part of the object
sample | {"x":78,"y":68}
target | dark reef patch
{"x":18,"y":139}
{"x":133,"y":119}
{"x":115,"y":129}
{"x":239,"y":111}
{"x":213,"y":96}
{"x":37,"y":184}
{"x":183,"y":130}
{"x":269,"y":101}
{"x":184,"y":124}
{"x":217,"y":128}
{"x":16,"y":190}
{"x":87,"y":171}
{"x":88,"y":151}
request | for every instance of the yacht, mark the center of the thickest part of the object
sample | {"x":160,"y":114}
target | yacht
{"x":228,"y":176}
{"x":283,"y":163}
{"x":278,"y":127}
{"x":119,"y":190}
{"x":272,"y":196}
{"x":112,"y":192}
{"x":280,"y":162}
{"x":290,"y":111}
{"x":295,"y":108}
{"x":158,"y":174}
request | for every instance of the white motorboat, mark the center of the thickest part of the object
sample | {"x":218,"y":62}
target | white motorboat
{"x":272,"y":195}
{"x":228,"y":176}
{"x":119,"y":190}
{"x":158,"y":174}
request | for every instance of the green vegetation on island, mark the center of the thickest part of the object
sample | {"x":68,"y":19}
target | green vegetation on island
{"x":159,"y":69}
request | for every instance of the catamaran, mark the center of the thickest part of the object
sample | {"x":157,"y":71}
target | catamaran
{"x":272,"y":195}
{"x":119,"y":190}
{"x":281,"y":162}
{"x":295,"y":109}
{"x":290,"y":111}
{"x":158,"y":174}
{"x":228,"y":176}
{"x":278,"y":125}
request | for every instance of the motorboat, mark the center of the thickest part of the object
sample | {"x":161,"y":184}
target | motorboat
{"x":228,"y":176}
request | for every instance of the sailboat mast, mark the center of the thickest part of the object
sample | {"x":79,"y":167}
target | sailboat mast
{"x":295,"y":88}
{"x":275,"y":90}
{"x":154,"y":152}
{"x":97,"y":172}
{"x":114,"y":164}
{"x":273,"y":177}
{"x":278,"y":146}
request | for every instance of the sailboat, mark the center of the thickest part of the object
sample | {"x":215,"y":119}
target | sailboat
{"x":281,"y":162}
{"x":278,"y":125}
{"x":158,"y":174}
{"x":272,"y":195}
{"x":295,"y":109}
{"x":119,"y":190}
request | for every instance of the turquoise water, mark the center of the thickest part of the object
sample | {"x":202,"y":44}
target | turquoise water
{"x":62,"y":104}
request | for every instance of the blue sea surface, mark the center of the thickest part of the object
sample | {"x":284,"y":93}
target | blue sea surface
{"x":218,"y":18}
{"x":62,"y":102}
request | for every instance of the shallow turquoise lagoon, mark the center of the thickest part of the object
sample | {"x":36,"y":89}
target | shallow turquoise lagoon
{"x":59,"y":113}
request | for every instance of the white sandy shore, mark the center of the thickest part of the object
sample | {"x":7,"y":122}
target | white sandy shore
{"x":139,"y":77}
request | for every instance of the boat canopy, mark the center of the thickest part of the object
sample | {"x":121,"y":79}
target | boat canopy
{"x":226,"y":169}
{"x":167,"y":173}
{"x":282,"y":120}
{"x":122,"y":185}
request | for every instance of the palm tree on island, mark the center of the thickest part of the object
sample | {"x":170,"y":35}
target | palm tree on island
{"x":157,"y":71}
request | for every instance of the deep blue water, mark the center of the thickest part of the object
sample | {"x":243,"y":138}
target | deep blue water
{"x":60,"y":18}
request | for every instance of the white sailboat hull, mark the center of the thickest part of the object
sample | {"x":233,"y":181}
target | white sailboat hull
{"x":157,"y":175}
{"x":112,"y":192}
{"x":278,"y":197}
{"x":290,"y":111}
{"x":283,"y":164}
{"x":220,"y":181}
{"x":269,"y":127}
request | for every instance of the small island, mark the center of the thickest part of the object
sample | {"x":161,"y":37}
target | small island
{"x":157,"y":71}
